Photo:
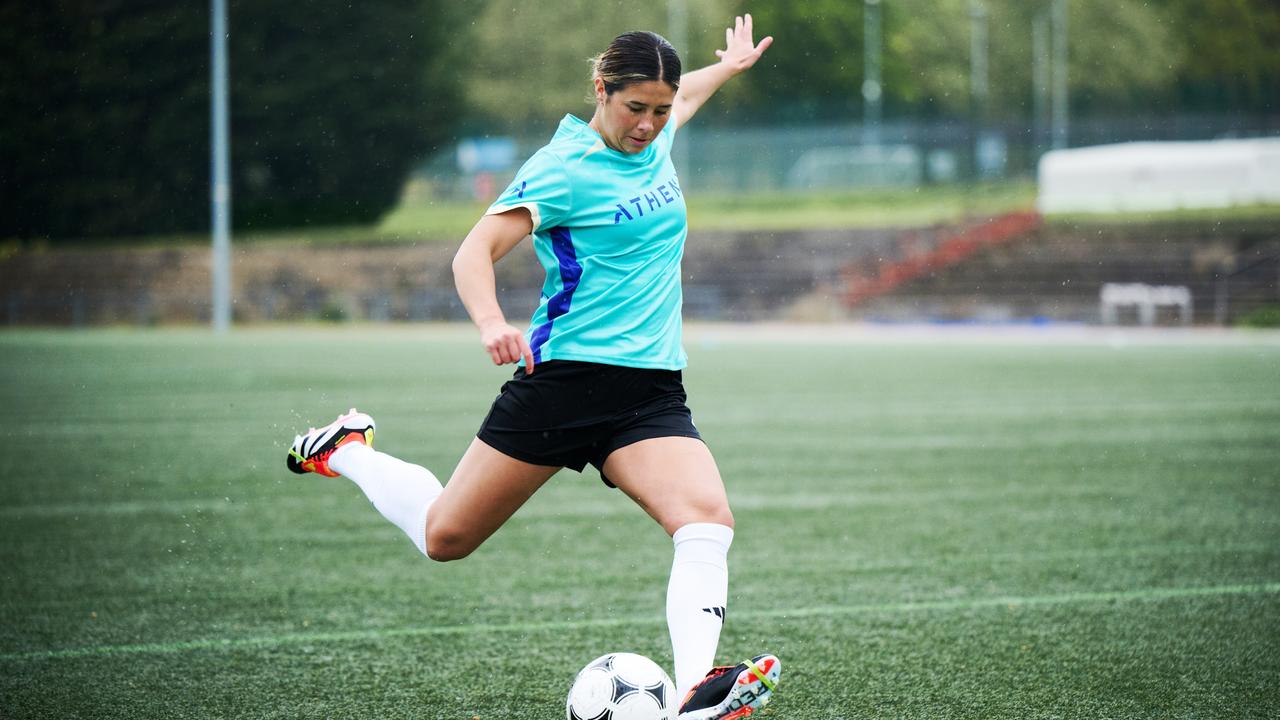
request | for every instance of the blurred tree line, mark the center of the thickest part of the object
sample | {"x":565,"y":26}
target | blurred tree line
{"x":1126,"y":58}
{"x":105,"y":127}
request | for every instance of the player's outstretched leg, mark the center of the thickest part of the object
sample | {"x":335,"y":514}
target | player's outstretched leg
{"x":401,"y":491}
{"x":733,"y":691}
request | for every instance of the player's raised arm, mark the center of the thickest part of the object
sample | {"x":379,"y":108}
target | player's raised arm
{"x":740,"y":53}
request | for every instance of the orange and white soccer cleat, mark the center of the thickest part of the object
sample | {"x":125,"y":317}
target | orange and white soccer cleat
{"x":732,"y":692}
{"x":311,"y":451}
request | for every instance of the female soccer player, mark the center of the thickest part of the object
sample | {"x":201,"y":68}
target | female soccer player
{"x":598,"y":378}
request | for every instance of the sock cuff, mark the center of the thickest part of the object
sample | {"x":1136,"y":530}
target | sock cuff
{"x":341,"y":458}
{"x":419,"y":536}
{"x":721,"y":535}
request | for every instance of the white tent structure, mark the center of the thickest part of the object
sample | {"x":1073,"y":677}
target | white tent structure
{"x":1145,"y":176}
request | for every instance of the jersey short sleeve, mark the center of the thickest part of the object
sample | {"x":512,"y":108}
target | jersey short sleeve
{"x":542,"y":187}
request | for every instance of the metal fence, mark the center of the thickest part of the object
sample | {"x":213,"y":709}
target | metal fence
{"x":726,"y":160}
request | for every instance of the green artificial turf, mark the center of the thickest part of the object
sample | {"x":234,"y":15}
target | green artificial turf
{"x":926,"y":529}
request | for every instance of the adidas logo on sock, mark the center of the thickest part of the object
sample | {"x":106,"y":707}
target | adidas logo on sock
{"x":717,"y":611}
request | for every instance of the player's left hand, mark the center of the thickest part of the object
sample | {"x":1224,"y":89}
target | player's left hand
{"x":741,"y":52}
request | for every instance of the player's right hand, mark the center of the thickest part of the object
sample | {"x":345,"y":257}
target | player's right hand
{"x":506,"y":344}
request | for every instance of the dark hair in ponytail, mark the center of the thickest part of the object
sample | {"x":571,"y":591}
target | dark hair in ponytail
{"x":637,"y":56}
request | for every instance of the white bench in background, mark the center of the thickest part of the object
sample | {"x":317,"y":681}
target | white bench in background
{"x":1146,"y":298}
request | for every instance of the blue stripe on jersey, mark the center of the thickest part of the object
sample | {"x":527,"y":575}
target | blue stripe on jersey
{"x":570,"y":274}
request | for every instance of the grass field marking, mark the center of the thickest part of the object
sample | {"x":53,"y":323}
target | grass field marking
{"x":121,"y":507}
{"x":1139,"y":595}
{"x":877,"y":564}
{"x":868,"y":564}
{"x":547,"y":505}
{"x":539,"y":509}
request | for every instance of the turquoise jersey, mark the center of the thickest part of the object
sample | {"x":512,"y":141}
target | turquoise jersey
{"x":609,"y":229}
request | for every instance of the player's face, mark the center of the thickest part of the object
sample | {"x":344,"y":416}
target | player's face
{"x":632,"y":117}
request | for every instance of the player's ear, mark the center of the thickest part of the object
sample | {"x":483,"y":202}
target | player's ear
{"x":601,"y":95}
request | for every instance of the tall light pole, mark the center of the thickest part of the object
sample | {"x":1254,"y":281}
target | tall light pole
{"x":1060,"y":114}
{"x":872,"y":92}
{"x":1039,"y":80}
{"x":220,"y":191}
{"x":978,"y":88}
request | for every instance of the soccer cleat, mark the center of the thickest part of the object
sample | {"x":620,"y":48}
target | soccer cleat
{"x":311,"y":451}
{"x":731,"y":692}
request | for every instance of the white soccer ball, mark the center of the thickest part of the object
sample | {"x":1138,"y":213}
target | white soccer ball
{"x":621,"y":686}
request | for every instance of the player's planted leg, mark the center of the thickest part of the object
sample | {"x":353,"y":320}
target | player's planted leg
{"x":697,"y":599}
{"x":676,"y":481}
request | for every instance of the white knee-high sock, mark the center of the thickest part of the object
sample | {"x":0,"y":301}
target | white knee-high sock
{"x":401,"y":491}
{"x":696,"y":599}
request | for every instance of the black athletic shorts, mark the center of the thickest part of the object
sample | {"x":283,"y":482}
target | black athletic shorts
{"x":569,"y":413}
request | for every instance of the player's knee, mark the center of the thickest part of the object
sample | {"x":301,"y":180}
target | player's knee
{"x":712,"y":510}
{"x":713,"y":513}
{"x":445,"y":552}
{"x":444,"y":544}
{"x":721,"y":516}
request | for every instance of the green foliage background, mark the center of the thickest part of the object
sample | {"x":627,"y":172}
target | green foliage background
{"x":529,"y":65}
{"x":105,"y":123}
{"x":336,"y":102}
{"x":105,"y":130}
{"x":1123,"y":57}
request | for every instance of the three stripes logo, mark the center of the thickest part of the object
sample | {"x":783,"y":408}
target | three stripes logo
{"x":717,"y":611}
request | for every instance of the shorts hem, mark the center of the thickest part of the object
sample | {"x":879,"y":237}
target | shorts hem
{"x":613,"y":447}
{"x":625,"y":442}
{"x":516,"y":454}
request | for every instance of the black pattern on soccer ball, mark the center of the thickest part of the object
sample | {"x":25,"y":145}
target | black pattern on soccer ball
{"x":620,"y":692}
